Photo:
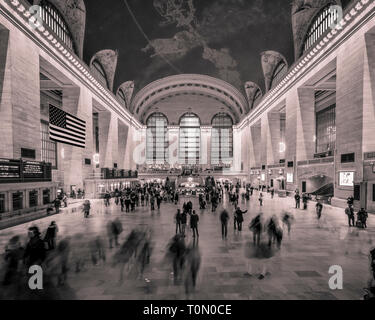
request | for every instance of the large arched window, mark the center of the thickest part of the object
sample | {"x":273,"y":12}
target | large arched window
{"x":279,"y":74}
{"x":322,"y":22}
{"x":99,"y":73}
{"x":157,"y":139}
{"x":54,"y":20}
{"x":222,"y":139}
{"x":190,"y":139}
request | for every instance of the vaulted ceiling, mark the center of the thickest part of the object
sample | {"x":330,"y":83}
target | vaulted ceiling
{"x":161,"y":38}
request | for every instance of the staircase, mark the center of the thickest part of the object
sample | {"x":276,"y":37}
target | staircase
{"x":327,"y":191}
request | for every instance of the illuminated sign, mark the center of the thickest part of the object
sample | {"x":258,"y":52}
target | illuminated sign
{"x":289,"y":178}
{"x":96,"y":158}
{"x":346,"y":179}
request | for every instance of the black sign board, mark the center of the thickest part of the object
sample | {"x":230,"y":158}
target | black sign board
{"x":10,"y":169}
{"x":24,"y":171}
{"x":33,"y":170}
{"x":118,"y":174}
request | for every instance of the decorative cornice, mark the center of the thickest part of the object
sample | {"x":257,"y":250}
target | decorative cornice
{"x":17,"y":13}
{"x":359,"y":10}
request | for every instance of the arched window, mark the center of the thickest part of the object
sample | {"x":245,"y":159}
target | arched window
{"x":99,"y":73}
{"x":157,"y":139}
{"x":190,"y":139}
{"x":222,"y":139}
{"x":257,"y":98}
{"x":320,"y":25}
{"x":279,"y":74}
{"x":122,"y":97}
{"x":55,"y":21}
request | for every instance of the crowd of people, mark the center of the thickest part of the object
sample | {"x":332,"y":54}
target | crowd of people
{"x":133,"y":254}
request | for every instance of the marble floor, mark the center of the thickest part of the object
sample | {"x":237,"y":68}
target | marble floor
{"x":299,"y":271}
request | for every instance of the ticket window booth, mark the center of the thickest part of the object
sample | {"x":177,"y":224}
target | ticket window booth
{"x":17,"y":201}
{"x":33,"y":198}
{"x":46,"y":196}
{"x":2,"y":203}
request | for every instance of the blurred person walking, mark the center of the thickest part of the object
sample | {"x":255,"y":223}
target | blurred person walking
{"x":50,"y":236}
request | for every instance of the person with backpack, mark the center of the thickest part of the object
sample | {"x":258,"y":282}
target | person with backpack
{"x":224,"y":218}
{"x":362,"y":216}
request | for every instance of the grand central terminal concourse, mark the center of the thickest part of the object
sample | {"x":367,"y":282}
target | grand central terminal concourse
{"x":187,"y":150}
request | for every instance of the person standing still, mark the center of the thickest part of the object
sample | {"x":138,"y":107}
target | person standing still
{"x":261,"y":199}
{"x":194,"y":224}
{"x":349,"y":211}
{"x":297,"y":198}
{"x":224,"y":218}
{"x":178,"y":221}
{"x":239,"y":217}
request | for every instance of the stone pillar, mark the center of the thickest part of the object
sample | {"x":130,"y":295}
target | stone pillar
{"x":245,"y":141}
{"x":264,"y":140}
{"x":129,"y":150}
{"x":292,"y":106}
{"x":369,"y":94}
{"x":255,"y":146}
{"x":351,"y":110}
{"x":123,"y":130}
{"x":105,"y":149}
{"x":305,"y":124}
{"x":25,"y":94}
{"x":291,"y":124}
{"x":237,"y":150}
{"x":6,"y":128}
{"x":273,"y":142}
{"x":73,"y":156}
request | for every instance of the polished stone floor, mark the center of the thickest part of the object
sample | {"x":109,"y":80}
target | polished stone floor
{"x":299,"y":271}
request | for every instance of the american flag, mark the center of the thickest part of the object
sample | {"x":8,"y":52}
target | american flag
{"x":65,"y":128}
